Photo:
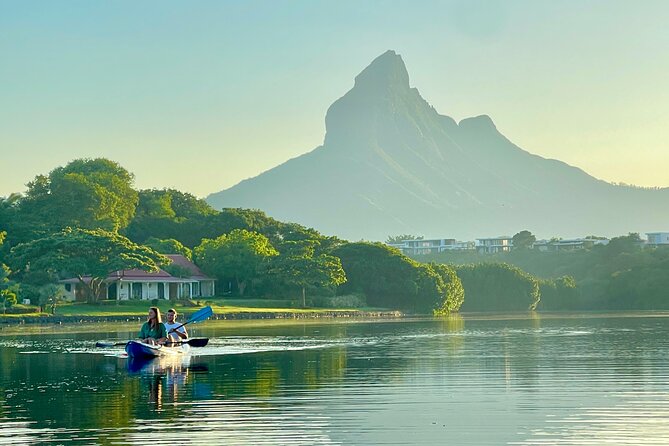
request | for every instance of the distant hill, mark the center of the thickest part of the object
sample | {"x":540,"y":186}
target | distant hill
{"x":391,"y":164}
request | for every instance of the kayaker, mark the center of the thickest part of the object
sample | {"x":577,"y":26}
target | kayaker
{"x":153,"y":331}
{"x":175,"y":330}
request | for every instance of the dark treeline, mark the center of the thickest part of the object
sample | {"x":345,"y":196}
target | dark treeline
{"x":623,"y":275}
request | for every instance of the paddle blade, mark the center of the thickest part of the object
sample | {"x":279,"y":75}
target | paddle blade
{"x":200,"y":315}
{"x":197,"y":342}
{"x":110,"y":344}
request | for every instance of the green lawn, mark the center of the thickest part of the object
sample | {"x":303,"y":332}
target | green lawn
{"x":140,"y":307}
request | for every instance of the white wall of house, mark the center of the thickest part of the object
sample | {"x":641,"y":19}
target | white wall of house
{"x":122,"y":291}
{"x":658,"y":238}
{"x":207,"y":288}
{"x":149,"y":290}
{"x":68,"y":291}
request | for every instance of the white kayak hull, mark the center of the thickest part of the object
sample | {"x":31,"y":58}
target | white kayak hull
{"x":136,"y":349}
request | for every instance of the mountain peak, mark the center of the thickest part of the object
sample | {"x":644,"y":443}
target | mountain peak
{"x":479,"y":123}
{"x":385,"y":71}
{"x":390,"y":164}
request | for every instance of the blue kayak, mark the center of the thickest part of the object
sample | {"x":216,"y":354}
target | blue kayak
{"x":136,"y":349}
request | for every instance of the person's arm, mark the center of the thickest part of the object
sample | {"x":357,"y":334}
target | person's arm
{"x":142,"y":333}
{"x":182,"y":333}
{"x":162,"y":334}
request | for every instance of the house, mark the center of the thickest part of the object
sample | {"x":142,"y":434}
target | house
{"x":493,"y":245}
{"x":656,"y":239}
{"x":139,"y":284}
{"x":431,"y":246}
{"x":572,"y":244}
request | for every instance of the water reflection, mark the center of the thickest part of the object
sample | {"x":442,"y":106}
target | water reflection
{"x":482,"y":382}
{"x":165,"y":378}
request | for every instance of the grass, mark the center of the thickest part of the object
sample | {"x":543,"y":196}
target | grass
{"x":140,"y":307}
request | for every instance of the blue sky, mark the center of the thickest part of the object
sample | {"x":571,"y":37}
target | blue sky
{"x":201,"y":95}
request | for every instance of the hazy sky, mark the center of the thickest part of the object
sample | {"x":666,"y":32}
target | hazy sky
{"x":198,"y":95}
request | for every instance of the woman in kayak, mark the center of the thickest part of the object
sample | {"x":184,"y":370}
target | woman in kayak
{"x":153,"y":331}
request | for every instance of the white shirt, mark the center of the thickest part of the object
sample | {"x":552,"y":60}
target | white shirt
{"x":174,"y":336}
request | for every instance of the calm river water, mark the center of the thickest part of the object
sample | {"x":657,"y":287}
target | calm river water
{"x":463,"y":381}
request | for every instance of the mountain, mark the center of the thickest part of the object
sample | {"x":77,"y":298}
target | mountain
{"x":390,"y":164}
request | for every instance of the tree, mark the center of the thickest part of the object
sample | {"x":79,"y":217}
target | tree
{"x":390,"y":279}
{"x":86,"y":193}
{"x":524,"y":240}
{"x":7,"y":295}
{"x":498,"y":287}
{"x":169,"y":246}
{"x":170,"y":214}
{"x":450,"y":287}
{"x":240,"y":255}
{"x":89,"y":255}
{"x":558,"y":295}
{"x":49,"y":295}
{"x":299,"y":265}
{"x":400,"y":238}
{"x":7,"y":298}
{"x":625,"y":244}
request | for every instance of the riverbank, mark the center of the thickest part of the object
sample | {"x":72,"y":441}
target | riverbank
{"x":134,"y":311}
{"x":256,"y":315}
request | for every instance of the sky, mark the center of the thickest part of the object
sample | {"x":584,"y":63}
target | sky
{"x":199,"y":95}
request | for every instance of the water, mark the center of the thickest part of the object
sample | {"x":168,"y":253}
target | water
{"x":494,"y":381}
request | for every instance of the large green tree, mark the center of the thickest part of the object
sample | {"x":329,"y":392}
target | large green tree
{"x":524,"y":240}
{"x":390,"y":279}
{"x":169,"y":246}
{"x":450,"y":287}
{"x":86,"y":193}
{"x":7,"y":294}
{"x":240,"y":255}
{"x":88,"y":255}
{"x":498,"y":287}
{"x":302,"y":266}
{"x":170,"y":214}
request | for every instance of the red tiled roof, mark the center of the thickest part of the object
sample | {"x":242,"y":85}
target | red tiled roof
{"x":160,"y":275}
{"x":138,"y":273}
{"x":179,"y":260}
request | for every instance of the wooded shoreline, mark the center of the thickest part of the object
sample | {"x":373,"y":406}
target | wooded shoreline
{"x":73,"y":319}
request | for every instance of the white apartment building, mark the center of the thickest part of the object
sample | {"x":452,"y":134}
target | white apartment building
{"x":431,"y":246}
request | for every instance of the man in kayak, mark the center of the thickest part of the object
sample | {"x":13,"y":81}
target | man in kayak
{"x":153,"y":331}
{"x":175,"y":331}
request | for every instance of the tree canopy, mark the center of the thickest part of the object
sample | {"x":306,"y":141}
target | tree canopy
{"x":523,"y":240}
{"x":86,"y":193}
{"x":7,"y":294}
{"x":300,"y":265}
{"x":392,"y":280}
{"x":169,"y":246}
{"x":240,"y":255}
{"x":402,"y":237}
{"x":89,"y":255}
{"x":498,"y":287}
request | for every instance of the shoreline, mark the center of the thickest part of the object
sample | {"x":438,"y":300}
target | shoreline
{"x":259,"y":315}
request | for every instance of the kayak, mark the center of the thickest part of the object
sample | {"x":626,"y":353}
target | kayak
{"x":136,"y":349}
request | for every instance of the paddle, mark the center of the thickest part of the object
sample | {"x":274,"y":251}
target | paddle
{"x":198,"y":316}
{"x":110,"y":344}
{"x":196,"y":342}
